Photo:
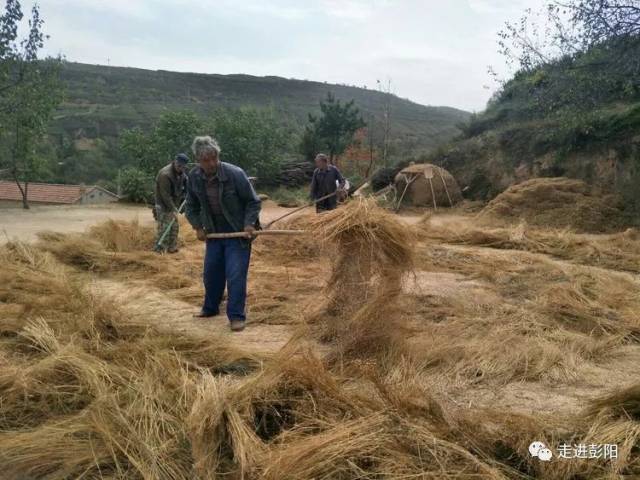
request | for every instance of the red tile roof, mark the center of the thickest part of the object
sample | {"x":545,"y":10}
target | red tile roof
{"x":44,"y":192}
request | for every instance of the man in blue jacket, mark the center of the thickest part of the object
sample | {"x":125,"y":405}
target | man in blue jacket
{"x":220,"y":199}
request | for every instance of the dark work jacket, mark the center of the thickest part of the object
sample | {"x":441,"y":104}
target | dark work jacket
{"x":169,"y":190}
{"x":324,"y":182}
{"x":239,"y":202}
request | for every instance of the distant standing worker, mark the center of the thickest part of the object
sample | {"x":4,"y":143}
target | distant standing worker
{"x":169,"y":193}
{"x":220,"y":199}
{"x":326,"y":180}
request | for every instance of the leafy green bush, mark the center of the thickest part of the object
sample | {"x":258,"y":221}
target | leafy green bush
{"x":251,"y":139}
{"x":572,"y":85}
{"x":136,"y":185}
{"x":570,"y":132}
{"x":171,"y":135}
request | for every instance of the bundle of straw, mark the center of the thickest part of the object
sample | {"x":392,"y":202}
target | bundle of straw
{"x":373,"y":250}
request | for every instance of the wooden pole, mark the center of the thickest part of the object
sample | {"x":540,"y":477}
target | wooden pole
{"x":445,"y":188}
{"x":300,"y":208}
{"x":433,"y":195}
{"x":428,"y":174}
{"x":257,"y":233}
{"x":408,"y":182}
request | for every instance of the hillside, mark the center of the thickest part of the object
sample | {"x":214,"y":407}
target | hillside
{"x":101,"y":101}
{"x":575,"y":117}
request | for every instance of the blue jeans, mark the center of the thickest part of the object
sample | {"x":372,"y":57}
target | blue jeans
{"x":226,"y":262}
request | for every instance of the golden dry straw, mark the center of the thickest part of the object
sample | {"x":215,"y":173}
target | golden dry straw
{"x":87,"y":393}
{"x":557,"y":203}
{"x":371,"y":251}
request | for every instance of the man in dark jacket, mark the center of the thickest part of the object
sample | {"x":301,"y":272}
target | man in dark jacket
{"x":169,"y":193}
{"x":220,"y":199}
{"x":326,"y":180}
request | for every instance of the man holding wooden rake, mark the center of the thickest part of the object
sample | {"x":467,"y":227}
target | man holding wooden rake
{"x":221,"y":200}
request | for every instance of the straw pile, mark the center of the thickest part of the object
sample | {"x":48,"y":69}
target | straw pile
{"x":122,"y":236}
{"x":111,"y":400}
{"x":371,"y":253}
{"x":556,"y":203}
{"x":123,"y":249}
{"x":611,"y":419}
{"x":109,"y":246}
{"x":619,"y":251}
{"x":291,"y":247}
{"x":86,"y":393}
{"x":89,"y":253}
{"x":96,"y":397}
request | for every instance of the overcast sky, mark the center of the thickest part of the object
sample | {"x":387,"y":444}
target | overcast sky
{"x":435,"y":52}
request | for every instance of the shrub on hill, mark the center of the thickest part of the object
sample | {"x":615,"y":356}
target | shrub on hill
{"x":136,"y":185}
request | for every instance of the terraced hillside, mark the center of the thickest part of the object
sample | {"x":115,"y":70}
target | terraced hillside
{"x":103,"y":100}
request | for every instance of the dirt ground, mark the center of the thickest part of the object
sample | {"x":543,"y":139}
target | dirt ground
{"x":20,"y":224}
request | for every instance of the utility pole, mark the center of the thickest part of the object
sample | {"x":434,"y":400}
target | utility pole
{"x":386,"y":119}
{"x":371,"y":139}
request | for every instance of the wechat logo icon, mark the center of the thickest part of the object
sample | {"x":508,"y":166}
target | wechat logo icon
{"x":540,"y":450}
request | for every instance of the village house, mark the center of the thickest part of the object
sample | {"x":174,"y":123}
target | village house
{"x":54,"y":194}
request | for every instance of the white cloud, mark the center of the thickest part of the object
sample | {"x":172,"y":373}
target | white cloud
{"x":125,"y":8}
{"x":354,"y":10}
{"x":436,"y":52}
{"x":499,"y":6}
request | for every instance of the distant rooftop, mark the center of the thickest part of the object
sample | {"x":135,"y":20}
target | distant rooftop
{"x":48,"y":192}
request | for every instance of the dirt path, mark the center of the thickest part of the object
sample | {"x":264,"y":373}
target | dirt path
{"x":23,"y":225}
{"x":146,"y":305}
{"x":19,"y":224}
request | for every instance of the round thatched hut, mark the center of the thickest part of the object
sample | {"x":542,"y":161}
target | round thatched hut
{"x":419,"y":184}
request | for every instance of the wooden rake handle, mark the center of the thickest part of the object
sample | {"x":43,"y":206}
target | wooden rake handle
{"x":257,"y":233}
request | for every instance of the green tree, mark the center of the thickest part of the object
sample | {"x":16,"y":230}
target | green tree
{"x":9,"y":23}
{"x":31,"y":91}
{"x":333,"y":129}
{"x":136,"y":185}
{"x":311,"y":143}
{"x":251,"y":139}
{"x":136,"y":147}
{"x":172,"y":134}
